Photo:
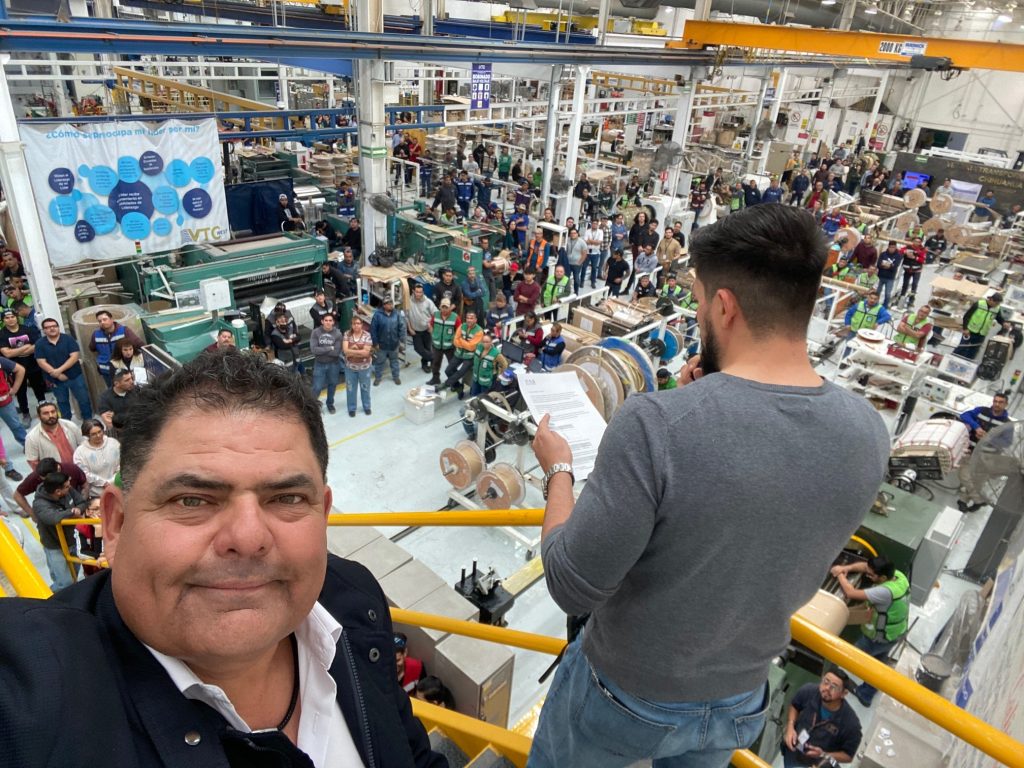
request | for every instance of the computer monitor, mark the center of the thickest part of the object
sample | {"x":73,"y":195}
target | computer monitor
{"x":512,"y":352}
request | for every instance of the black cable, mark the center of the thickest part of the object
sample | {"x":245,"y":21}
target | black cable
{"x":931,"y":493}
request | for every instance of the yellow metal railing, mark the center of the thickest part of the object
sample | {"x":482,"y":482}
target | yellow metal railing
{"x":27,"y":583}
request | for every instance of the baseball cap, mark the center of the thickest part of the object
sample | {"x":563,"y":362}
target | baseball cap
{"x":7,"y":312}
{"x":663,"y":373}
{"x":388,"y":300}
{"x":445,"y":303}
{"x":282,"y":196}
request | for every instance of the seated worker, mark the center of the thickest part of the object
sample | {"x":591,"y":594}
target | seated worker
{"x":980,"y":421}
{"x":644,"y":288}
{"x":552,"y":347}
{"x":409,"y":670}
{"x":530,"y":334}
{"x":866,"y":313}
{"x":821,"y":723}
{"x":665,"y":380}
{"x":889,"y":597}
{"x":431,"y":690}
{"x":245,"y":643}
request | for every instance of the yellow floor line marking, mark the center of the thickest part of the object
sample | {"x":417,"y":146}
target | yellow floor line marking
{"x":31,"y":528}
{"x":362,"y":432}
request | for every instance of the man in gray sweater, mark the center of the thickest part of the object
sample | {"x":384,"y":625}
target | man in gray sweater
{"x":325,"y":344}
{"x":707,"y":521}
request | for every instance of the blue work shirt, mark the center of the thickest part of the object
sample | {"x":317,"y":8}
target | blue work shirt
{"x":57,"y":354}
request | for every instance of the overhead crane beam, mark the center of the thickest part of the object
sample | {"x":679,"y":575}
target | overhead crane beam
{"x":870,"y":46}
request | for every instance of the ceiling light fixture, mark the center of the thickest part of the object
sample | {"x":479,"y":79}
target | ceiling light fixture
{"x":871,"y":10}
{"x":1005,"y":18}
{"x":828,"y":2}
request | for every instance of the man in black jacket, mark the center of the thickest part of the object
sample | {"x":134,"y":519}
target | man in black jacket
{"x":224,"y":634}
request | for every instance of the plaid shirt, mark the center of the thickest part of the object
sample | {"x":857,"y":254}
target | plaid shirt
{"x":607,"y":232}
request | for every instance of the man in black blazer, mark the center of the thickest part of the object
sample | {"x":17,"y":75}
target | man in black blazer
{"x":223,"y":633}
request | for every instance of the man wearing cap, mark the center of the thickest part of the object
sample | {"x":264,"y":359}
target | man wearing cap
{"x":387,"y":329}
{"x":410,"y":670}
{"x":821,"y":723}
{"x":289,"y":214}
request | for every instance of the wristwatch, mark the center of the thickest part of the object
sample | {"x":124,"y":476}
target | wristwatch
{"x":555,"y":469}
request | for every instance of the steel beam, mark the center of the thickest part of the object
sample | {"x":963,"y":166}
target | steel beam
{"x":137,"y":38}
{"x":871,"y":46}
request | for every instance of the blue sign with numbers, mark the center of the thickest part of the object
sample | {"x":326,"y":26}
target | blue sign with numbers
{"x":480,"y":87}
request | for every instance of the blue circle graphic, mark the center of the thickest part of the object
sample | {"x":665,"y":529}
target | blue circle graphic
{"x":197,"y":203}
{"x":84,"y":232}
{"x":165,"y":200}
{"x":151,"y":163}
{"x":101,"y":219}
{"x":178,"y":174}
{"x":64,"y":210}
{"x":61,"y":180}
{"x":161,"y":227}
{"x":135,"y":226}
{"x":102,"y":179}
{"x":202,"y":169}
{"x":128,"y":169}
{"x":127,"y":198}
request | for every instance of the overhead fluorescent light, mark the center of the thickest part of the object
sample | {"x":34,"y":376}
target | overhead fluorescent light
{"x":1004,"y":17}
{"x":871,"y":10}
{"x":828,"y":2}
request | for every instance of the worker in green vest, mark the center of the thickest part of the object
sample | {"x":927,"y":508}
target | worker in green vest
{"x":689,"y":303}
{"x":443,"y":326}
{"x":914,"y":329}
{"x":977,"y":322}
{"x":467,"y":339}
{"x":487,"y":364}
{"x":888,"y":593}
{"x":841,"y":269}
{"x":556,"y":287}
{"x":671,"y":289}
{"x":868,"y":278}
{"x":868,"y":313}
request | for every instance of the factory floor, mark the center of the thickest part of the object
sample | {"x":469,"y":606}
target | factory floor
{"x":386,"y":463}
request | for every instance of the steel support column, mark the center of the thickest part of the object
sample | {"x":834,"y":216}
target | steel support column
{"x":551,"y":133}
{"x":21,"y":206}
{"x":780,"y":89}
{"x":883,"y":83}
{"x":373,"y":149}
{"x":572,"y":148}
{"x":681,"y":129}
{"x":602,"y":20}
{"x":765,"y":85}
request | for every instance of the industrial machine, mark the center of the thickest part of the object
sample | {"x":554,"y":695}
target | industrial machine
{"x":283,"y":266}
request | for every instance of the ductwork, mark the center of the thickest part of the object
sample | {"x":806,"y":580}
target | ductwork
{"x":810,"y":14}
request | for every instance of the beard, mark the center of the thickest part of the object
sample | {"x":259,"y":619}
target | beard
{"x":710,"y":359}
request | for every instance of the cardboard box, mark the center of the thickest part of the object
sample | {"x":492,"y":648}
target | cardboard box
{"x":419,"y":411}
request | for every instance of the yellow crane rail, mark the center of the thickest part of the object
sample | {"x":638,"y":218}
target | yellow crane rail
{"x":873,"y":46}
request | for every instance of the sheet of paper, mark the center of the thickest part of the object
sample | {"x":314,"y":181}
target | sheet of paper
{"x":573,"y":416}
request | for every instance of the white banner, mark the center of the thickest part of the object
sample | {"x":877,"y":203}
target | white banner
{"x":110,"y":190}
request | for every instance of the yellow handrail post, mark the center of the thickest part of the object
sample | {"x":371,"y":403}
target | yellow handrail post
{"x":67,"y":551}
{"x":24,"y":577}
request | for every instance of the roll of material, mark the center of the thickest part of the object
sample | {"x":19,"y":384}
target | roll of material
{"x":826,"y":611}
{"x":941,"y":203}
{"x":915,"y":198}
{"x":501,"y":487}
{"x":462,"y":464}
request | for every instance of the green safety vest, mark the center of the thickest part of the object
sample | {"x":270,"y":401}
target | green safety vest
{"x":838,"y":274}
{"x":866,"y":280}
{"x":672,"y":293}
{"x":442,"y":336}
{"x":892,"y":622}
{"x":467,"y":332}
{"x":865,"y":316}
{"x":982,"y":318}
{"x":554,"y":290}
{"x":483,"y":365}
{"x":902,"y":338}
{"x":689,"y":301}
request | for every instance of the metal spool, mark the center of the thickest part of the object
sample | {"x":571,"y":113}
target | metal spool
{"x":593,"y":360}
{"x":941,"y":203}
{"x":915,"y":198}
{"x":501,"y":487}
{"x":827,"y":611}
{"x":589,"y":384}
{"x":851,"y":235}
{"x":957,"y":235}
{"x":639,"y":368}
{"x":907,"y":220}
{"x":462,"y":464}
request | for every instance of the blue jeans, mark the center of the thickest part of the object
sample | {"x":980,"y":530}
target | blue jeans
{"x":594,"y":262}
{"x":9,"y":413}
{"x":76,"y":387}
{"x":879,"y":650}
{"x":885,"y":288}
{"x":577,"y":275}
{"x":325,"y":376}
{"x":383,"y":356}
{"x":60,"y":576}
{"x":357,"y":382}
{"x":589,"y":721}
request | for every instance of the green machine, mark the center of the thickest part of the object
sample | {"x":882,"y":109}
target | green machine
{"x":285,"y":265}
{"x":184,"y":333}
